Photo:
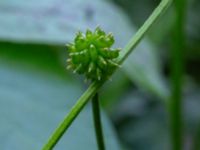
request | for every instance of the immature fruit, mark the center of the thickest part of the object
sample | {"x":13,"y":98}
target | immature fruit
{"x":91,"y":54}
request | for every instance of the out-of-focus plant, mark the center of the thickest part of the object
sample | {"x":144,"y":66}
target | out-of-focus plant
{"x":177,"y":53}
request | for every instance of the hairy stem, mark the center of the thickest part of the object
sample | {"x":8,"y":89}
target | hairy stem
{"x":93,"y":88}
{"x":97,"y":122}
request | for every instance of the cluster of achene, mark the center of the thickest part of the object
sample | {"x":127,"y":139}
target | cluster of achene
{"x":91,"y":54}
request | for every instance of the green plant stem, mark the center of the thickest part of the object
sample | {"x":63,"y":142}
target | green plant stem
{"x":97,"y":122}
{"x":175,"y":103}
{"x":144,"y":29}
{"x":93,"y":88}
{"x":58,"y":133}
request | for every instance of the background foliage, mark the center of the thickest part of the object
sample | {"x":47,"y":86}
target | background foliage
{"x":36,"y":90}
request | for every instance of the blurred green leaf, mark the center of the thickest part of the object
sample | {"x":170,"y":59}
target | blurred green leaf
{"x":113,"y":91}
{"x":56,"y":22}
{"x":33,"y":100}
{"x":144,"y":68}
{"x":142,"y":122}
{"x":193,"y":22}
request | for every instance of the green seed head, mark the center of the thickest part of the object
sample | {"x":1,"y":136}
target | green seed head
{"x":91,"y":54}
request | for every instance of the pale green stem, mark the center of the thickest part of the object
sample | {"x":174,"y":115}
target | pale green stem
{"x":97,"y":122}
{"x":144,"y":29}
{"x":64,"y":125}
{"x":94,"y":87}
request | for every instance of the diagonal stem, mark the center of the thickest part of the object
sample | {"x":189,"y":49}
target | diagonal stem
{"x":97,"y":122}
{"x":58,"y":133}
{"x":159,"y":10}
{"x":94,"y":87}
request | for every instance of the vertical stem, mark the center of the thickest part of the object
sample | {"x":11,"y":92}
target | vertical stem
{"x":177,"y":76}
{"x":97,"y":122}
